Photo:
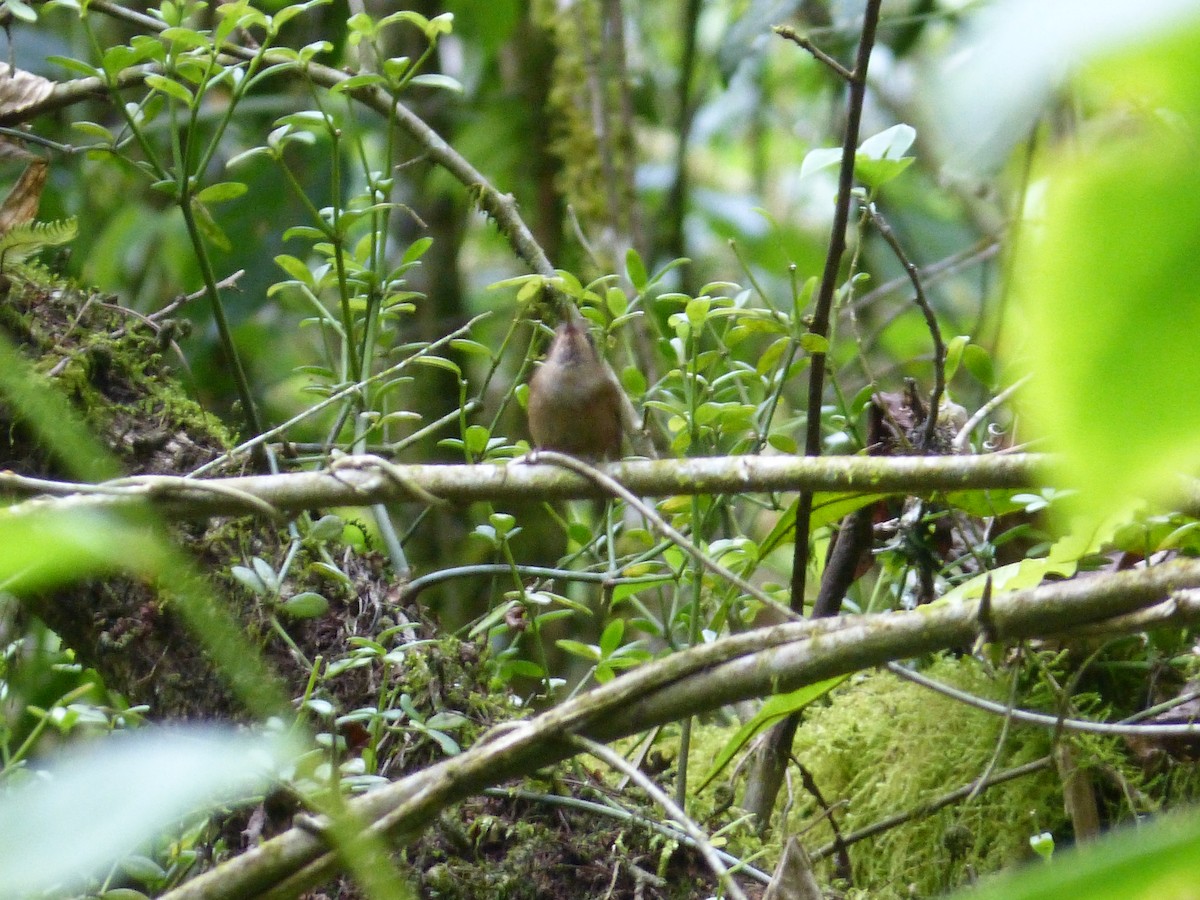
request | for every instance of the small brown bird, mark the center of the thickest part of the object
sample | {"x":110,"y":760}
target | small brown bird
{"x":574,"y":402}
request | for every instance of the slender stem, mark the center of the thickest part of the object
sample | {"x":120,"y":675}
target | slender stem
{"x":932,"y":806}
{"x":935,"y":332}
{"x":685,"y":737}
{"x":675,"y":811}
{"x":218,"y":310}
{"x":789,"y":33}
{"x":829,"y":277}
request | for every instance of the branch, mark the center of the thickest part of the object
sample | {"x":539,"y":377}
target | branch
{"x":366,"y":480}
{"x":789,"y":33}
{"x":754,"y":664}
{"x":829,"y":277}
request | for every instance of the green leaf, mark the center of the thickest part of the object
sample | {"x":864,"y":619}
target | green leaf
{"x":891,"y":143}
{"x":170,"y":88}
{"x":355,"y":82}
{"x":416,"y":250}
{"x":576,"y":648}
{"x":633,"y":380}
{"x":827,"y":509}
{"x":636,"y":270}
{"x":437,"y":362}
{"x":296,"y":269}
{"x":476,"y":438}
{"x":106,"y":798}
{"x":142,"y":869}
{"x":880,"y":158}
{"x":626,"y":590}
{"x":441,"y":82}
{"x":77,"y":66}
{"x":327,"y":528}
{"x":473,"y":348}
{"x":877,"y":172}
{"x":978,"y":362}
{"x":502,"y":522}
{"x":954,"y":353}
{"x":771,"y":712}
{"x":784,"y":443}
{"x":610,"y":639}
{"x":184,"y":38}
{"x":222,"y":191}
{"x":305,"y":605}
{"x":814,"y":343}
{"x":697,"y":312}
{"x":820,"y":158}
{"x":20,"y":10}
{"x":91,"y":129}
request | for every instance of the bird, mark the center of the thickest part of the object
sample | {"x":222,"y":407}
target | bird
{"x":574,"y":399}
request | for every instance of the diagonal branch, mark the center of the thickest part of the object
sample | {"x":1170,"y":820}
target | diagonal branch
{"x":702,"y":678}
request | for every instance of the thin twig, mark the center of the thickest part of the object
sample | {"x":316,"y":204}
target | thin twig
{"x":789,"y":33}
{"x":829,"y":277}
{"x":333,"y":398}
{"x":959,"y":444}
{"x":229,"y":281}
{"x":1032,"y":718}
{"x":979,"y":252}
{"x":926,"y":809}
{"x":660,"y":525}
{"x":935,"y":331}
{"x":414,"y":587}
{"x":658,"y":795}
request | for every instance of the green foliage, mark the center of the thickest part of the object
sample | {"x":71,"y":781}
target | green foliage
{"x":886,"y":746}
{"x":19,"y":243}
{"x":230,"y":152}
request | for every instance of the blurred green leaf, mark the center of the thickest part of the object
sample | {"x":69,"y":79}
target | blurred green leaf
{"x":1110,"y":305}
{"x":101,"y":801}
{"x":1158,"y":860}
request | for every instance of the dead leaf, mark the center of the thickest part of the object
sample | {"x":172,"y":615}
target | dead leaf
{"x":21,"y":204}
{"x":20,"y":90}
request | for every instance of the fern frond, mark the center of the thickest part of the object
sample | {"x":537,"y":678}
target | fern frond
{"x":28,"y":238}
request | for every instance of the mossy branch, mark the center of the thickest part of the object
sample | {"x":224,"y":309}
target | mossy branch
{"x":703,"y":678}
{"x":363,"y":481}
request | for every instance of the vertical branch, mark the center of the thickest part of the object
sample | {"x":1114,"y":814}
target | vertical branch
{"x":771,"y":759}
{"x":614,"y":16}
{"x":824,"y":304}
{"x":677,"y":198}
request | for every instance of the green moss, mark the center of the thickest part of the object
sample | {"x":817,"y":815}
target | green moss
{"x":884,"y":746}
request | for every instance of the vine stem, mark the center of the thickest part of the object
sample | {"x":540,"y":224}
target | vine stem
{"x":935,"y":332}
{"x":829,"y":277}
